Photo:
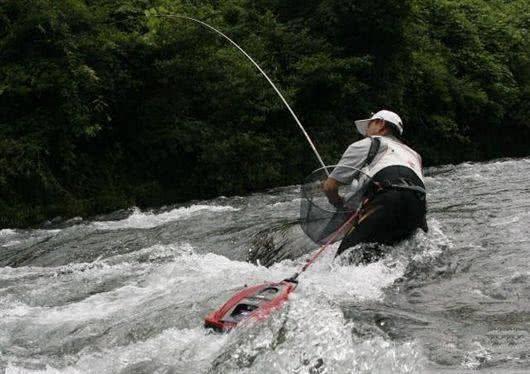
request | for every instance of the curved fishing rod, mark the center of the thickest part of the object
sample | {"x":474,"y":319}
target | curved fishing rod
{"x":262,"y":72}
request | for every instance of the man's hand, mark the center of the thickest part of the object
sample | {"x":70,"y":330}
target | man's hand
{"x":331,"y":189}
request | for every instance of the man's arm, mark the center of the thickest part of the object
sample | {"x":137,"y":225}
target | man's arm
{"x":345,"y":171}
{"x":331,"y":189}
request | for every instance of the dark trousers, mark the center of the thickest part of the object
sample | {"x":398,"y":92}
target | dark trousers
{"x":389,"y":217}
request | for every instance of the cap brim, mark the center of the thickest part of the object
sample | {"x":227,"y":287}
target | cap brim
{"x":362,"y":125}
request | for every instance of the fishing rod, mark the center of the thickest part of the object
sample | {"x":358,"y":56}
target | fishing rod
{"x":293,"y":114}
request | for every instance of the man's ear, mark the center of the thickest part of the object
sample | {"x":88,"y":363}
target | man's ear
{"x":387,"y":129}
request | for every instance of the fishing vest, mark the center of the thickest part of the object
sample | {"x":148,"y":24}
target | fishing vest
{"x":392,"y":153}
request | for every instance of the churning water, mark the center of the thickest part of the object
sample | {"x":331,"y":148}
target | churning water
{"x":127,"y":293}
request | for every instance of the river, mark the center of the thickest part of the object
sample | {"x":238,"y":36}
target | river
{"x":128,"y":292}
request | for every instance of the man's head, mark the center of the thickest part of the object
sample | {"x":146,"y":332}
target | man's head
{"x":378,"y":127}
{"x":383,"y":122}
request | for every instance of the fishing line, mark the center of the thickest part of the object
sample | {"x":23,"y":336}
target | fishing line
{"x":293,"y":114}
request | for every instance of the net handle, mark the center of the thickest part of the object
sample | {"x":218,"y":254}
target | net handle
{"x":324,"y":247}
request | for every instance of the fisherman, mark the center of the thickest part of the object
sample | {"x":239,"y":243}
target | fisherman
{"x":395,"y":204}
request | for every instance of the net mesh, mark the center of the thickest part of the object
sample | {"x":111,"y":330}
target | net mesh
{"x":319,"y":219}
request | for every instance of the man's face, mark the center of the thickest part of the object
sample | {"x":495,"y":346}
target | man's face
{"x":375,"y":127}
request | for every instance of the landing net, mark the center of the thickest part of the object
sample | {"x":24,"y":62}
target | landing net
{"x":319,"y":219}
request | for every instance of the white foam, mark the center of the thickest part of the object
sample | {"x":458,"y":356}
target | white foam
{"x":328,"y":278}
{"x":92,"y":308}
{"x":360,"y":282}
{"x":11,"y":243}
{"x":191,"y":276}
{"x":13,"y":369}
{"x":6,"y":233}
{"x":187,"y":350}
{"x":285,"y":203}
{"x":15,"y":237}
{"x":145,"y":220}
{"x":201,"y":276}
{"x":504,"y":221}
{"x":341,"y":282}
{"x":430,"y":245}
{"x":311,"y":333}
{"x":316,"y":327}
{"x":101,"y":305}
{"x":478,"y":357}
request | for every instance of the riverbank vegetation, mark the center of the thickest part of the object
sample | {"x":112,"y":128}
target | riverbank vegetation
{"x":106,"y":104}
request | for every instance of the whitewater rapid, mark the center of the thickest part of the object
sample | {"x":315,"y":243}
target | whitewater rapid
{"x":129,"y":294}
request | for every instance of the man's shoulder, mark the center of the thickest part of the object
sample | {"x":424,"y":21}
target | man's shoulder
{"x":401,"y":143}
{"x":360,"y":144}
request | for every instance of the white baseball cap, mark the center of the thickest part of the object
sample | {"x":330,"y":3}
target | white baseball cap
{"x":385,"y":115}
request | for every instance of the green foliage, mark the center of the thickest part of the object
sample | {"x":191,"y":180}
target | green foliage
{"x":106,"y":103}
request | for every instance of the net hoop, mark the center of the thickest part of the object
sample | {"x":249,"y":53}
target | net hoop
{"x":319,"y":219}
